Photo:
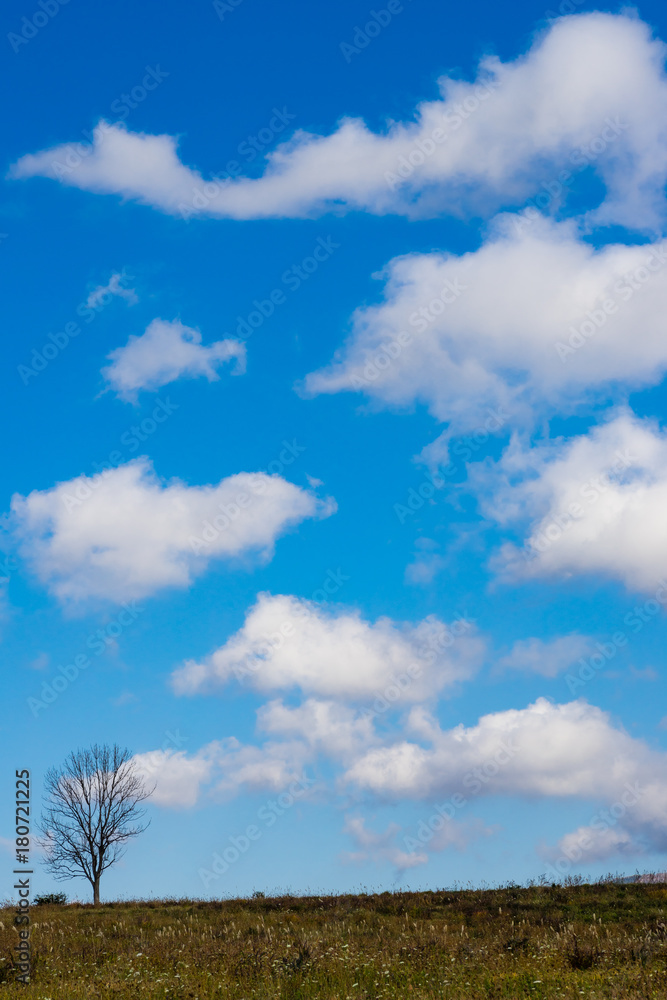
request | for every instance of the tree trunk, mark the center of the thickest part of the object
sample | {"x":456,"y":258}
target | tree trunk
{"x":96,"y":891}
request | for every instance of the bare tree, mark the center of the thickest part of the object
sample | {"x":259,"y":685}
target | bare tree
{"x":92,"y":807}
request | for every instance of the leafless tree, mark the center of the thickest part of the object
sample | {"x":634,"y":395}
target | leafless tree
{"x":92,"y":807}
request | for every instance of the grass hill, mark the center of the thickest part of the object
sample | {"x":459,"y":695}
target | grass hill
{"x":597,"y":941}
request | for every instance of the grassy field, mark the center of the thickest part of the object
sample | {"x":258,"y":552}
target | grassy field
{"x":581,"y":941}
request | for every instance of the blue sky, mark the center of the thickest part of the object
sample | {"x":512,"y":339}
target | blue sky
{"x":334,"y":385}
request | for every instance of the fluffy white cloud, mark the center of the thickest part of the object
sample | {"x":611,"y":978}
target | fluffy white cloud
{"x":287,"y":642}
{"x":594,"y":844}
{"x":548,"y":658}
{"x":124,"y":534}
{"x":272,"y":767}
{"x":486,"y":339}
{"x":590,"y":90}
{"x":166,"y":351}
{"x":595,"y":504}
{"x":177,"y":778}
{"x":544,"y":750}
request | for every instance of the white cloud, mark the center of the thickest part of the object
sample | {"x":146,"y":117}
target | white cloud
{"x":485,"y":339}
{"x":167,"y":351}
{"x":271,"y":767}
{"x":594,"y":504}
{"x":480,"y":145}
{"x":549,"y":657}
{"x":544,"y":750}
{"x":595,"y":844}
{"x":336,"y":731}
{"x":176,"y":777}
{"x":124,"y":534}
{"x":287,"y":642}
{"x":100,"y":295}
{"x":222,"y":769}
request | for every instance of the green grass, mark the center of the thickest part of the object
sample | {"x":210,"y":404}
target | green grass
{"x":581,"y":941}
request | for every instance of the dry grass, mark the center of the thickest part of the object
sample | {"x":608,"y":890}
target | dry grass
{"x":594,"y":941}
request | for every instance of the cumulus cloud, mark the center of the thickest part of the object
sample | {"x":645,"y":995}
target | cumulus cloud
{"x":549,"y":657}
{"x":292,"y":739}
{"x":544,"y":750}
{"x":533,"y":320}
{"x":594,"y":844}
{"x":167,"y":351}
{"x":125,"y":534}
{"x":594,"y":504}
{"x":591,"y":90}
{"x":532,"y":751}
{"x":287,"y":642}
